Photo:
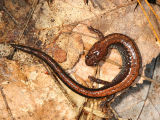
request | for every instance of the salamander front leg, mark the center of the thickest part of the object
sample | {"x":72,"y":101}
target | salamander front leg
{"x":86,"y":1}
{"x":99,"y":33}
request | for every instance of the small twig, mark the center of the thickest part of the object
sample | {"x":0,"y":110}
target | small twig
{"x":113,"y":62}
{"x":2,"y":7}
{"x":81,"y":110}
{"x":29,"y":17}
{"x":151,"y":80}
{"x":6,"y":103}
{"x":144,"y":103}
{"x":9,"y":14}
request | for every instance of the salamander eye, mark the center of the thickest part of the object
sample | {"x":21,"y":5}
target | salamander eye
{"x":87,"y":57}
{"x":94,"y":64}
{"x":96,"y":53}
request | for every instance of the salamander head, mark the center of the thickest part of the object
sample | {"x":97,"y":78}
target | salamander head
{"x":95,"y":54}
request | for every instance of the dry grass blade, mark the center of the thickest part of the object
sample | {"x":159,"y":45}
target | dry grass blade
{"x":153,"y":29}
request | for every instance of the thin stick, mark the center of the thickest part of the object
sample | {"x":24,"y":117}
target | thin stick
{"x":29,"y":17}
{"x":6,"y":103}
{"x":9,"y":14}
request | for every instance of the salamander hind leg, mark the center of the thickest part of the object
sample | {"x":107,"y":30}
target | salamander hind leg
{"x":99,"y":81}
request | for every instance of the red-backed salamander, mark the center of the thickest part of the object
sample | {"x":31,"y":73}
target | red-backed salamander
{"x":131,"y":63}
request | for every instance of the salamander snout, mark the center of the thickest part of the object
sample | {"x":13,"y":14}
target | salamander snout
{"x":96,"y":54}
{"x":93,"y":58}
{"x":90,"y":61}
